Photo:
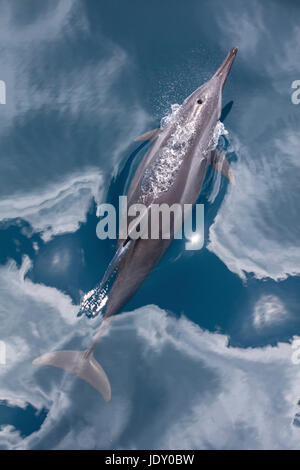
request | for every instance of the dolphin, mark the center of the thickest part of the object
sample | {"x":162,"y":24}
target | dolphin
{"x":172,"y":171}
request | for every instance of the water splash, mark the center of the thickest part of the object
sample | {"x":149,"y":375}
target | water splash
{"x":171,"y":117}
{"x":93,"y":303}
{"x":218,"y":132}
{"x":160,"y":176}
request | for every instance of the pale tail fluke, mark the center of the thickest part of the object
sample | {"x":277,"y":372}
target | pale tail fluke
{"x":82,"y":364}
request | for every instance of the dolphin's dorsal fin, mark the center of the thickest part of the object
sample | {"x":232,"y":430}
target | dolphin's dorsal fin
{"x":221,"y":164}
{"x":150,"y":135}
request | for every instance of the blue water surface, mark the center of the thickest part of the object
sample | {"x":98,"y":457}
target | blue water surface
{"x":83,"y":80}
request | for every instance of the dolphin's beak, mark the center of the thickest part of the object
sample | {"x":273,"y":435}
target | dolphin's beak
{"x":224,"y":69}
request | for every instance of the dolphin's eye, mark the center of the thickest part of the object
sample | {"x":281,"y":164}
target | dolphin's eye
{"x":199,"y":101}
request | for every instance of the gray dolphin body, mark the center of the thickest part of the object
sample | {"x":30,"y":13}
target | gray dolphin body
{"x":171,"y":172}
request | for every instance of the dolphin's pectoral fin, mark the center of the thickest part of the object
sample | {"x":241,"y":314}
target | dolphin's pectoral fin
{"x":221,"y":164}
{"x":150,"y":135}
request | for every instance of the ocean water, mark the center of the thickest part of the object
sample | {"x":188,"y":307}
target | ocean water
{"x":203,"y":355}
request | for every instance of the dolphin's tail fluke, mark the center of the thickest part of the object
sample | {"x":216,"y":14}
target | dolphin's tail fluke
{"x":80,"y":363}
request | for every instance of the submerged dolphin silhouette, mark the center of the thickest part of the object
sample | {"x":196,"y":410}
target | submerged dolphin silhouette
{"x":182,"y":150}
